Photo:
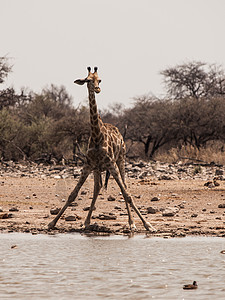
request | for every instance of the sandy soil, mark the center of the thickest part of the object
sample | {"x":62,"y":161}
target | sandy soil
{"x":25,"y":205}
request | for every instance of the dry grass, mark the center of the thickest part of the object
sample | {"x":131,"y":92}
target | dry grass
{"x":212,"y":153}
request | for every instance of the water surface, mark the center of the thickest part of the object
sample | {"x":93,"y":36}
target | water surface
{"x":71,"y":266}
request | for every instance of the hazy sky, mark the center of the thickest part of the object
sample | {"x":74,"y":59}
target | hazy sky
{"x":53,"y":41}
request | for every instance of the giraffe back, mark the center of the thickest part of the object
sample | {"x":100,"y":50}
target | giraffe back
{"x":110,"y":148}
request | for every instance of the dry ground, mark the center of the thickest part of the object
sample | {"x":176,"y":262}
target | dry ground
{"x":198,"y":211}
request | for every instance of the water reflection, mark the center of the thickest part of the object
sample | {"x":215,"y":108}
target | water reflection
{"x":72,"y":266}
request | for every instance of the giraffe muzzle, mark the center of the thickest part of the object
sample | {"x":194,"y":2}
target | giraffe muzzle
{"x":97,"y":90}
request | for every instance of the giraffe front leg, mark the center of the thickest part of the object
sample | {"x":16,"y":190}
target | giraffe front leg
{"x":97,"y":188}
{"x":85,"y":172}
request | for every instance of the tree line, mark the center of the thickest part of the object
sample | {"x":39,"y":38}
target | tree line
{"x":45,"y":126}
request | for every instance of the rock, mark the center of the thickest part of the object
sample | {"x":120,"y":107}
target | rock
{"x":75,"y":175}
{"x":128,"y":167}
{"x":86,"y":208}
{"x":136,"y":169}
{"x":181,"y":205}
{"x":143,"y":175}
{"x":165,"y":177}
{"x":174,"y":195}
{"x":221,"y":205}
{"x":117,"y":207}
{"x":121,"y":200}
{"x":54,"y":211}
{"x":96,"y":228}
{"x":106,"y":217}
{"x":70,"y":218}
{"x":155,"y":199}
{"x":111,"y":198}
{"x":183,"y":234}
{"x":126,"y":230}
{"x":170,"y":212}
{"x":83,"y":192}
{"x":6,"y":216}
{"x":1,"y":210}
{"x":13,"y":209}
{"x":140,"y":164}
{"x":151,"y":210}
{"x":73,"y":204}
{"x":123,"y":214}
{"x":209,"y":184}
{"x":218,"y":172}
{"x":194,"y":215}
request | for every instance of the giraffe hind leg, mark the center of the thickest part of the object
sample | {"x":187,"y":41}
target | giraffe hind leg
{"x":107,"y":175}
{"x":121,"y":167}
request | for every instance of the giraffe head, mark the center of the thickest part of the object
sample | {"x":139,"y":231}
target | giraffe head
{"x":92,"y":79}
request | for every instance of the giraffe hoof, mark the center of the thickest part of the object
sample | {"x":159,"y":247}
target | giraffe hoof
{"x":85,"y":227}
{"x":149,"y":227}
{"x":51,"y":225}
{"x":133,"y":227}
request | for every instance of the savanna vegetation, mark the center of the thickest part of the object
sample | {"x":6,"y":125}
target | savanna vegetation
{"x":189,"y":122}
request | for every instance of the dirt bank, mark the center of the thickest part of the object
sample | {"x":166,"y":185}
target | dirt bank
{"x":175,"y":207}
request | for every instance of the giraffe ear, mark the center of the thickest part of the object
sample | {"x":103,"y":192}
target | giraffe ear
{"x":80,"y":81}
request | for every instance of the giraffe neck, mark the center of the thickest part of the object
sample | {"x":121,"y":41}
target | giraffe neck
{"x":96,"y":122}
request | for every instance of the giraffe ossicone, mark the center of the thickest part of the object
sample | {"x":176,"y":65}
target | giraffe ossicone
{"x":106,"y":152}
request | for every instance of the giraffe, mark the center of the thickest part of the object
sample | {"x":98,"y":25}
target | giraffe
{"x":106,"y":152}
